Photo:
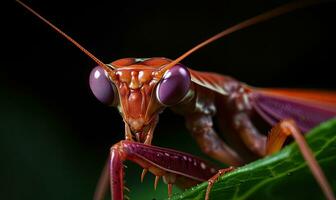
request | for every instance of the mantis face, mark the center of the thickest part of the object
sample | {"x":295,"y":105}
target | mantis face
{"x":140,"y":91}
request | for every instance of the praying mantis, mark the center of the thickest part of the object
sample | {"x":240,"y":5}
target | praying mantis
{"x":141,"y":88}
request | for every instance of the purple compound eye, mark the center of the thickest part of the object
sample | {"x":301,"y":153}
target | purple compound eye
{"x":101,"y":86}
{"x":174,"y":86}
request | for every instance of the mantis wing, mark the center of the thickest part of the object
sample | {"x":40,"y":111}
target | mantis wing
{"x":212,"y":81}
{"x":307,"y":107}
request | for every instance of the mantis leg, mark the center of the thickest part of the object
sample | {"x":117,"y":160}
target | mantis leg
{"x":276,"y":139}
{"x":175,"y":167}
{"x":201,"y":127}
{"x":249,"y":133}
{"x":213,"y":179}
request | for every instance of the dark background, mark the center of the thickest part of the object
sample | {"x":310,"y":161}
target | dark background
{"x":55,"y":136}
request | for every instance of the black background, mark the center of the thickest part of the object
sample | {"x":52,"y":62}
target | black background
{"x":50,"y":119}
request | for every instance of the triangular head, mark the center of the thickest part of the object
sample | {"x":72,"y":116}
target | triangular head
{"x":140,"y":91}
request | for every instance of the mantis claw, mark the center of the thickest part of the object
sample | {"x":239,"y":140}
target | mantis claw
{"x":127,"y":189}
{"x":144,"y":172}
{"x":157,"y":178}
{"x":170,"y":189}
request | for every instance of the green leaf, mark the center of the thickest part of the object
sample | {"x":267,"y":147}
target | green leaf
{"x":283,"y":175}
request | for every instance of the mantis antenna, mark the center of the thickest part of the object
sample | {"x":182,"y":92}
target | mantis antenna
{"x":94,"y":58}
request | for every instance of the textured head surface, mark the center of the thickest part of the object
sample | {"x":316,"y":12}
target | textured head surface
{"x":136,"y":80}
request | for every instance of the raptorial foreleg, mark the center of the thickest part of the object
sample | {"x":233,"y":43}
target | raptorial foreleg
{"x":175,"y":167}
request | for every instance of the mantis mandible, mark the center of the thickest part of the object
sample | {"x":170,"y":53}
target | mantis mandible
{"x":141,"y":88}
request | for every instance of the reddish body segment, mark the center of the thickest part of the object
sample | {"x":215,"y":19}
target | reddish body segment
{"x":139,"y":88}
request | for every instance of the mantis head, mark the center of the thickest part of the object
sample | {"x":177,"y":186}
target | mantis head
{"x":140,"y":89}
